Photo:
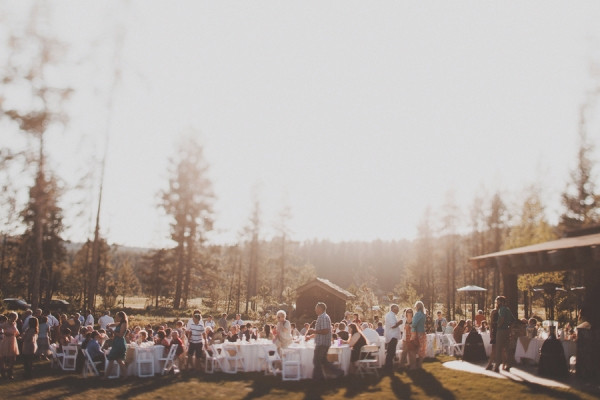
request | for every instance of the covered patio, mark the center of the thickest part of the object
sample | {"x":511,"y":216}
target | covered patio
{"x":579,"y":250}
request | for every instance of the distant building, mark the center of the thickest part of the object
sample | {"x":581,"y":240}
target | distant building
{"x":319,"y":289}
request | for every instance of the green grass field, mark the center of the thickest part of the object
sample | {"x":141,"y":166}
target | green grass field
{"x":433,"y":382}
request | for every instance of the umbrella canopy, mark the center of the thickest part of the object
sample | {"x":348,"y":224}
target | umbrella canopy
{"x":471,"y":288}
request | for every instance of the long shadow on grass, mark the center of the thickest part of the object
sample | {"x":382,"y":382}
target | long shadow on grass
{"x":67,"y":385}
{"x":429,"y":383}
{"x":138,"y":386}
{"x":400,"y":389}
{"x":548,"y":391}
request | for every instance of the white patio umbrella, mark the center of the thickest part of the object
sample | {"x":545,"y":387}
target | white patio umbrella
{"x":472,"y":289}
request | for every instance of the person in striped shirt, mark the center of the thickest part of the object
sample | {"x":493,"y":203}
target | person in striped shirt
{"x":196,"y":338}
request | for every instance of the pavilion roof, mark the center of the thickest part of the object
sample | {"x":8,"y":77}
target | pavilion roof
{"x":556,"y":255}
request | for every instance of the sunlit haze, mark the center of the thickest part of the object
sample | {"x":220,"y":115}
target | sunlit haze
{"x":356,"y":115}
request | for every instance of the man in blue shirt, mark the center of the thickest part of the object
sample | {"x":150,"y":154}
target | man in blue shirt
{"x":93,"y":349}
{"x":322,"y":334}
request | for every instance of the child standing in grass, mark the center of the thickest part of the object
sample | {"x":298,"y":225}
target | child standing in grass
{"x":30,"y":345}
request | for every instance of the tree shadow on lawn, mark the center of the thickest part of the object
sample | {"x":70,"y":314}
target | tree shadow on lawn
{"x":548,"y":391}
{"x":66,"y":385}
{"x":429,"y":383}
{"x":315,"y":390}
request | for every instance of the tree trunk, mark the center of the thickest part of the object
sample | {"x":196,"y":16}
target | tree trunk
{"x":179,"y":275}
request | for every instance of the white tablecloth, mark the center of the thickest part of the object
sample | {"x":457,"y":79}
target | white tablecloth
{"x":535,"y":345}
{"x":253,"y":353}
{"x":307,"y":351}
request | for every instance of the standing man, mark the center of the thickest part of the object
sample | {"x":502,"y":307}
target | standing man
{"x":196,"y":337}
{"x":440,"y":323}
{"x":322,"y":334}
{"x":105,"y":320}
{"x":392,"y":335}
{"x":89,"y":319}
{"x":208,"y":322}
{"x":223,"y":322}
{"x":238,"y":320}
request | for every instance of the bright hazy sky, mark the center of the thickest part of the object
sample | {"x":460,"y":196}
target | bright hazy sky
{"x":357,"y":115}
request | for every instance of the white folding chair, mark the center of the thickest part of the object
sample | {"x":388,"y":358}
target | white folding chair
{"x":69,"y":357}
{"x":144,"y":360}
{"x":234,"y":361}
{"x":57,"y":358}
{"x":89,"y":368}
{"x":453,"y":347}
{"x":211,"y":363}
{"x":115,"y":372}
{"x":169,"y":360}
{"x":290,"y":365}
{"x":219,"y":356}
{"x":368,"y":360}
{"x":271,"y":357}
{"x":398,"y":353}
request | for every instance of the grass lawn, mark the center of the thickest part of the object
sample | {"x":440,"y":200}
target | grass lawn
{"x":433,"y":382}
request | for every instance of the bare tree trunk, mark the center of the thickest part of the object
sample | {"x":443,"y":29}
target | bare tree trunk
{"x":179,"y":275}
{"x":38,"y":229}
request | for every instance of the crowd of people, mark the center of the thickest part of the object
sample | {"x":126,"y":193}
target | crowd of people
{"x":32,"y":333}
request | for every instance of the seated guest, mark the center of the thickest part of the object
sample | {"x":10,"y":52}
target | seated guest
{"x":531,"y":329}
{"x":219,"y":336}
{"x":87,"y":339}
{"x":80,"y":337}
{"x":244,"y":333}
{"x":357,"y":320}
{"x":356,"y":342}
{"x":135,"y":334}
{"x":109,"y":340}
{"x":161,"y":339}
{"x":379,"y":329}
{"x":295,"y":332}
{"x":459,"y":330}
{"x":484,"y":327}
{"x":101,"y":336}
{"x":93,"y":349}
{"x":343,"y":333}
{"x":175,"y":339}
{"x":65,"y":339}
{"x":208,"y":331}
{"x":266,"y":332}
{"x":233,"y":335}
{"x":304,"y":329}
{"x":479,"y":318}
{"x":450,"y":327}
{"x":468,"y":326}
{"x":142,"y":337}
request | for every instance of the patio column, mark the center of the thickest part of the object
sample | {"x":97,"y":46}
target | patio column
{"x":511,"y":292}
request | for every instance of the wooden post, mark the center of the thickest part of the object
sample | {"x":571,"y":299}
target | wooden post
{"x":511,"y":292}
